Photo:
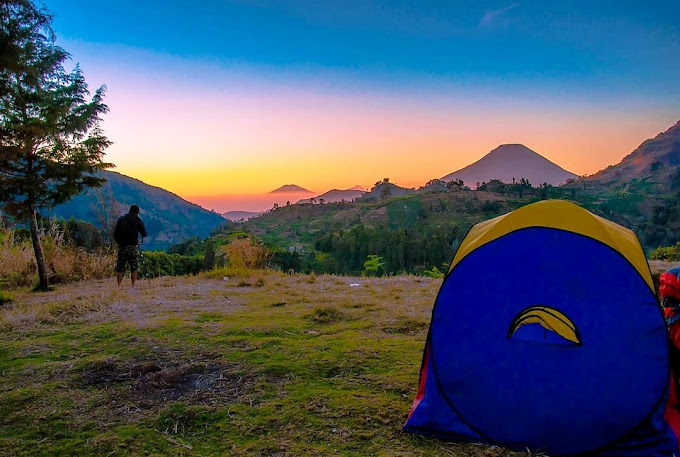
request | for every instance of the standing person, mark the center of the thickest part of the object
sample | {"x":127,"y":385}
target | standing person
{"x":128,"y":227}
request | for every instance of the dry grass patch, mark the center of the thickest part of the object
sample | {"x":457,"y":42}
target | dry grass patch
{"x":195,"y":366}
{"x":326,"y":315}
{"x":405,"y":326}
{"x":18,"y":315}
{"x":65,"y":262}
{"x":17,"y":265}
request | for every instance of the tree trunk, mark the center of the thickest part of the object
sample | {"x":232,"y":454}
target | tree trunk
{"x":37,"y":249}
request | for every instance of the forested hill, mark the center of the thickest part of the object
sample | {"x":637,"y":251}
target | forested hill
{"x":169,"y":218}
{"x":412,"y":233}
{"x":420,"y":231}
{"x":641,"y":192}
{"x":656,"y":161}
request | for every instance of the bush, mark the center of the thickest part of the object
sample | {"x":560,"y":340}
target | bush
{"x":373,"y":264}
{"x":669,"y":254}
{"x":82,"y":233}
{"x":158,"y":263}
{"x":434,"y":273}
{"x":5,"y":298}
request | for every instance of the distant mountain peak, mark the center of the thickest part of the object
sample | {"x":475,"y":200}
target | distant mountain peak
{"x":510,"y":162}
{"x":357,"y":187}
{"x":290,"y":188}
{"x":513,"y":145}
{"x":514,"y":149}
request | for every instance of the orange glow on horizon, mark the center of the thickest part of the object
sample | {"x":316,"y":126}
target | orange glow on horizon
{"x":407,"y":161}
{"x":249,"y":136}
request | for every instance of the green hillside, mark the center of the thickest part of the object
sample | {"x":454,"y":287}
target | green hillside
{"x":169,"y":219}
{"x":641,"y":192}
{"x":413,"y":232}
{"x":419,"y":232}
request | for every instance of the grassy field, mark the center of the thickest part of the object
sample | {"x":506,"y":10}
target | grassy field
{"x":255,"y":363}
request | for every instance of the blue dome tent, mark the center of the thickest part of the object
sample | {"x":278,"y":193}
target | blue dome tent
{"x":547,"y":335}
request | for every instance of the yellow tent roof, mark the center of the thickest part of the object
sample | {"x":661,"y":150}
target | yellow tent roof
{"x":562,"y":215}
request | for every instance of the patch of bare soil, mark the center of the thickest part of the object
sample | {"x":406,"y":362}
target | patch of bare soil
{"x":149,"y":384}
{"x":661,"y":266}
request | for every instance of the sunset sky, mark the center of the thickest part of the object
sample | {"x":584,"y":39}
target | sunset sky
{"x":217,"y":100}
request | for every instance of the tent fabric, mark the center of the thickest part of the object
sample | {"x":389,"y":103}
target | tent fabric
{"x":547,"y":335}
{"x":562,"y":215}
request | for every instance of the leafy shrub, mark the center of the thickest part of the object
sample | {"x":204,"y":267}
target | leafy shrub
{"x":5,"y":298}
{"x":82,"y":233}
{"x":433,"y":273}
{"x":158,"y":263}
{"x":669,"y":254}
{"x":373,"y":264}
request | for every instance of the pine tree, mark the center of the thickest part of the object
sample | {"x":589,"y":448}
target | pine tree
{"x":51,"y":145}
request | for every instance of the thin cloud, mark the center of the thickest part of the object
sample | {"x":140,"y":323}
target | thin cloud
{"x":492,"y":15}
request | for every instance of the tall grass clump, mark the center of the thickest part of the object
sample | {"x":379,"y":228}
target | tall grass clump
{"x":65,"y":261}
{"x":17,"y":265}
{"x":245,"y":253}
{"x":69,"y":262}
{"x":242,"y":258}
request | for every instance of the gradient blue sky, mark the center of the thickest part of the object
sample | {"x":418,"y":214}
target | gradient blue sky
{"x":212,"y":98}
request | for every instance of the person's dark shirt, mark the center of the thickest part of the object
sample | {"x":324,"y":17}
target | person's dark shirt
{"x":127,"y":228}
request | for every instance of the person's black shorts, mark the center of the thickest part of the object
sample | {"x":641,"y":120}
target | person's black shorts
{"x":127,"y":255}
